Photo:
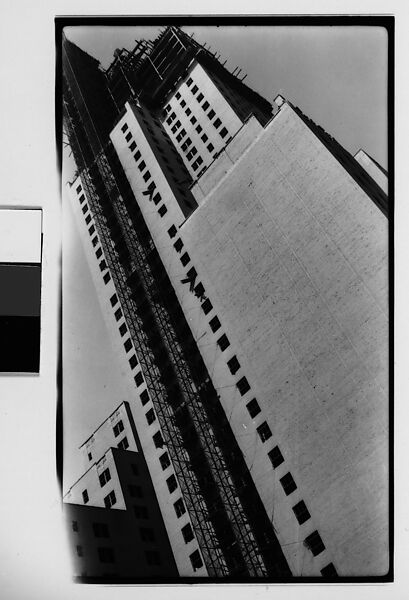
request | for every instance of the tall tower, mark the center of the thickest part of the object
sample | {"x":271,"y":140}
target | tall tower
{"x":239,"y":254}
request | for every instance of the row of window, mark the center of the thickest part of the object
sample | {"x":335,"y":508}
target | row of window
{"x":205,"y":106}
{"x":100,"y":529}
{"x":146,"y":175}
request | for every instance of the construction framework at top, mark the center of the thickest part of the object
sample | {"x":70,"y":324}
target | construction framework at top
{"x":235,"y":536}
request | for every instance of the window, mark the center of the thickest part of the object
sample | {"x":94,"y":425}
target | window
{"x":233,"y":365}
{"x":180,"y":135}
{"x":142,"y":166}
{"x":91,"y":230}
{"x":214,"y":324}
{"x":172,"y":116}
{"x":194,"y":89}
{"x":191,"y":153}
{"x":114,"y":300}
{"x":163,"y":210}
{"x":141,"y":512}
{"x":253,"y":408}
{"x":178,"y":245}
{"x":124,"y":127}
{"x":223,"y":342}
{"x":74,"y":525}
{"x":179,"y":507}
{"x":144,"y":396}
{"x":174,"y":128}
{"x":243,"y":386}
{"x":205,"y":105}
{"x":196,"y":560}
{"x":106,"y":555}
{"x":123,"y":444}
{"x":137,"y":155}
{"x":167,"y":108}
{"x":197,"y":162}
{"x":135,"y":491}
{"x":158,"y":440}
{"x":146,"y":176}
{"x":264,"y":432}
{"x":193,"y":120}
{"x":183,"y":103}
{"x":103,"y":265}
{"x":128,"y":136}
{"x":132,"y":146}
{"x":301,"y":512}
{"x":275,"y":457}
{"x":104,"y":477}
{"x":118,"y":314}
{"x":184,"y":259}
{"x":100,"y":530}
{"x":147,"y":534}
{"x":204,"y":137}
{"x":199,"y":129}
{"x":211,"y":114}
{"x":314,"y":543}
{"x":118,"y":428}
{"x":110,"y":500}
{"x":94,"y":241}
{"x":207,"y":306}
{"x":217,"y":123}
{"x":152,"y":557}
{"x":150,"y":416}
{"x":128,"y":345}
{"x":171,"y":483}
{"x":164,"y":461}
{"x":133,"y":361}
{"x":88,"y":220}
{"x":177,"y":95}
{"x":210,"y":147}
{"x":138,"y":379}
{"x":199,"y":290}
{"x":189,"y":82}
{"x":288,"y":484}
{"x":329,"y":571}
{"x":122,"y":329}
{"x":84,"y":209}
{"x":223,"y":132}
{"x":200,"y":97}
{"x":81,"y":198}
{"x":157,"y":198}
{"x":188,"y":111}
{"x":78,"y":189}
{"x":89,"y":456}
{"x":187,"y":533}
{"x":79,"y":551}
{"x":85,"y":497}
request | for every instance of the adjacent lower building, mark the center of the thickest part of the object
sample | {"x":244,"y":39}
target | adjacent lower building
{"x":240,"y":257}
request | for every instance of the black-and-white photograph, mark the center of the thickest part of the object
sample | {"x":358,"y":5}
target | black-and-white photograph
{"x":225,"y":300}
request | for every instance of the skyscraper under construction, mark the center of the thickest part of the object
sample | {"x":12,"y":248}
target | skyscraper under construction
{"x":240,"y":257}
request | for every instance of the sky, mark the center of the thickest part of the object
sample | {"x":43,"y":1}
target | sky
{"x":336,"y":76}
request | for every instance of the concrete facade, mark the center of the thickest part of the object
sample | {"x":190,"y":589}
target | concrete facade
{"x":293,"y":257}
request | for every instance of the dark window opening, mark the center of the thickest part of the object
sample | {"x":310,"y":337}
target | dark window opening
{"x":223,"y":342}
{"x":123,"y":444}
{"x":85,"y":496}
{"x":211,"y":114}
{"x":184,"y":259}
{"x":196,"y":560}
{"x":214,"y":324}
{"x":205,"y":105}
{"x":223,"y":132}
{"x":128,"y":345}
{"x":118,"y":428}
{"x":288,"y":483}
{"x":253,"y":408}
{"x":210,"y":147}
{"x":171,"y":483}
{"x":138,"y":379}
{"x":276,"y":457}
{"x":314,"y":543}
{"x":243,"y":386}
{"x":124,"y":127}
{"x":187,"y":533}
{"x":104,"y":477}
{"x":150,"y":416}
{"x":141,"y":512}
{"x":103,"y":265}
{"x":118,"y":314}
{"x":144,"y":396}
{"x":329,"y":571}
{"x":207,"y":306}
{"x":88,"y":220}
{"x":178,"y":245}
{"x":158,"y":440}
{"x":264,"y":432}
{"x":164,"y":461}
{"x":122,"y":329}
{"x":110,"y":500}
{"x":200,"y":97}
{"x":114,"y":300}
{"x":179,"y":507}
{"x":162,"y":210}
{"x":233,"y":365}
{"x":132,"y":146}
{"x":78,"y":189}
{"x":133,"y":361}
{"x":135,"y":491}
{"x":301,"y":512}
{"x":74,"y":525}
{"x":100,"y":530}
{"x":128,"y":136}
{"x":194,"y":89}
{"x":217,"y":123}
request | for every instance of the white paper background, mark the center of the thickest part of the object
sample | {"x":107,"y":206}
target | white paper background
{"x":34,"y":561}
